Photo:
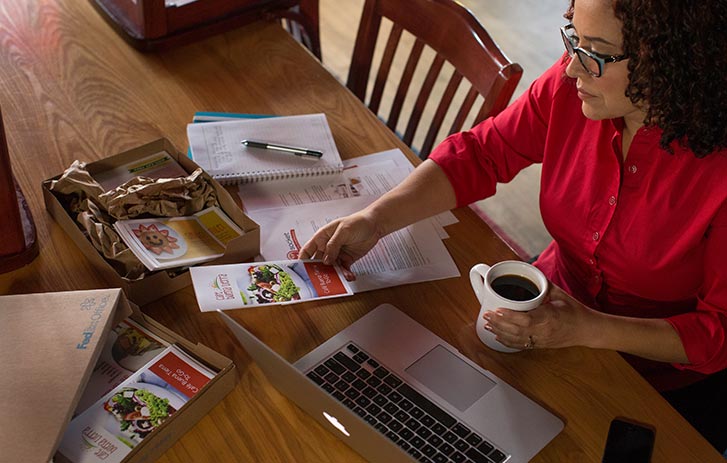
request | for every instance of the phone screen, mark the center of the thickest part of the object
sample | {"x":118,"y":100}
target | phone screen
{"x":628,"y":442}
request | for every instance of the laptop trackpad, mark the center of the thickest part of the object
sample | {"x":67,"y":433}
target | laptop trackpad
{"x":451,"y":378}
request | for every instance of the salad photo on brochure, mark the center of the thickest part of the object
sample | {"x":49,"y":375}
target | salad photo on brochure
{"x":270,"y":283}
{"x":262,"y":283}
{"x":138,"y":409}
{"x":120,"y":420}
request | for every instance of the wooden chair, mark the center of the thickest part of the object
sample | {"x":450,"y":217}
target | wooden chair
{"x":457,"y":38}
{"x":303,"y":23}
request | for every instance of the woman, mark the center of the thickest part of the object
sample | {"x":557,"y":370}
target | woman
{"x":632,"y":137}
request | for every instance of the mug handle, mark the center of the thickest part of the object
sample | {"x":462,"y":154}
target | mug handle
{"x":477,"y":280}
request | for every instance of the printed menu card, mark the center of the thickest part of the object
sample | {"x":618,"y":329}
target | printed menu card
{"x":110,"y":428}
{"x":263,"y":283}
{"x":128,"y":348}
{"x":165,"y":242}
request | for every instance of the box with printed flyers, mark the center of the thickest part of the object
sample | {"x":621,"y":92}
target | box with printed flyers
{"x":47,"y":382}
{"x":157,"y":284}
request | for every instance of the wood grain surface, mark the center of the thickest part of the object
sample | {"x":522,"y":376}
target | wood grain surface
{"x":71,"y":89}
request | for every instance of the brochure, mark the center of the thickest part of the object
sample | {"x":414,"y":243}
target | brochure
{"x":158,"y":165}
{"x":128,"y":348}
{"x":410,"y":255}
{"x":165,"y":242}
{"x":264,"y":283}
{"x":110,"y":428}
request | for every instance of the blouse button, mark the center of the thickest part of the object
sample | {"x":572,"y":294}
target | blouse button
{"x":596,"y":236}
{"x":612,"y":200}
{"x":632,"y":169}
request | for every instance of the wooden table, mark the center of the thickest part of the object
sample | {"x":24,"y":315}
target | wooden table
{"x":70,"y":88}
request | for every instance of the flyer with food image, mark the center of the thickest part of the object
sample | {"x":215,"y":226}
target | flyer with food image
{"x":263,"y":283}
{"x":128,"y":348}
{"x":120,"y":420}
{"x":165,"y":242}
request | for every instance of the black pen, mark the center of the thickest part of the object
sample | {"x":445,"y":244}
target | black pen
{"x":287,"y":149}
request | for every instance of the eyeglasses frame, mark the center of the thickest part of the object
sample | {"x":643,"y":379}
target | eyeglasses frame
{"x":600,"y":59}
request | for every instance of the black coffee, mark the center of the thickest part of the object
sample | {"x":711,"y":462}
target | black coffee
{"x":515,"y":288}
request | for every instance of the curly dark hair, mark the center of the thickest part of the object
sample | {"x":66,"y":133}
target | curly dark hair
{"x":678,"y":67}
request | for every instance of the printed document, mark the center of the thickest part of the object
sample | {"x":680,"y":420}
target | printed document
{"x":373,"y":181}
{"x":166,"y":242}
{"x":113,"y":426}
{"x":413,"y":254}
{"x":400,"y":160}
{"x":263,"y":283}
{"x":370,"y":175}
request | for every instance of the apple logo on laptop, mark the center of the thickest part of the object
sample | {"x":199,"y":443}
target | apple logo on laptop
{"x":334,"y":421}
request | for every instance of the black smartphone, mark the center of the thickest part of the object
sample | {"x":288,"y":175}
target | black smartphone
{"x":628,"y":442}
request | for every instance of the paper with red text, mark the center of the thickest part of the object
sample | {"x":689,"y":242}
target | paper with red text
{"x":110,"y":428}
{"x":263,"y":283}
{"x":128,"y":348}
{"x":410,"y":255}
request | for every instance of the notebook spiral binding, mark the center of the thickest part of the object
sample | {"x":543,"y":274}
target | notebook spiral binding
{"x":268,"y":175}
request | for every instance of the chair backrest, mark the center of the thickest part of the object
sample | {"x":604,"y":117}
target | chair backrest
{"x":456,"y":37}
{"x":303,"y":23}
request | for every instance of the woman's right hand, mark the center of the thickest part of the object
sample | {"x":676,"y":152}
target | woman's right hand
{"x":344,"y":240}
{"x":425,"y":192}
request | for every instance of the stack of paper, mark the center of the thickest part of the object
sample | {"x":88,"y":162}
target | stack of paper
{"x":128,"y":348}
{"x":290,"y":211}
{"x":166,"y":242}
{"x":110,"y":428}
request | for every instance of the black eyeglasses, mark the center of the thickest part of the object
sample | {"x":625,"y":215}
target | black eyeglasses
{"x":592,"y":62}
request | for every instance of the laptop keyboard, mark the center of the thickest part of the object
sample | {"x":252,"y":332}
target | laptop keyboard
{"x":410,"y":420}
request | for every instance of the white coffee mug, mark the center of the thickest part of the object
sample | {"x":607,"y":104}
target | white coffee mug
{"x":514,"y":293}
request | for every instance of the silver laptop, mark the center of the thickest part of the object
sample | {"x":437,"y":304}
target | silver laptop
{"x":394,"y":391}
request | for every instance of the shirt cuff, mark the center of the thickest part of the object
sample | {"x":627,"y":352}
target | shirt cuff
{"x":703,"y":336}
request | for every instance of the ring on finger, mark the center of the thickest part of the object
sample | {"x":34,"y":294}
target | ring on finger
{"x":530,"y":344}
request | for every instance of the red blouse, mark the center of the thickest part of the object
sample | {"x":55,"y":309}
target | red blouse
{"x":645,"y":237}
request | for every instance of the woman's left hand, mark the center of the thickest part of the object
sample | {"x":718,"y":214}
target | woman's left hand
{"x":560,"y":321}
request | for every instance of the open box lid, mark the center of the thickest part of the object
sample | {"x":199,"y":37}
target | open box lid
{"x":49,"y":343}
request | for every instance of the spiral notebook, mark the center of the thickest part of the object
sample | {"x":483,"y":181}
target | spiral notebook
{"x":217,"y":148}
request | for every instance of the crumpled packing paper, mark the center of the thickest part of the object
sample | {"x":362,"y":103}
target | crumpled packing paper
{"x":97,"y":209}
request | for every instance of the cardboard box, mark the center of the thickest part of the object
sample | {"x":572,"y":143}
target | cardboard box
{"x":160,"y":283}
{"x":49,"y":345}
